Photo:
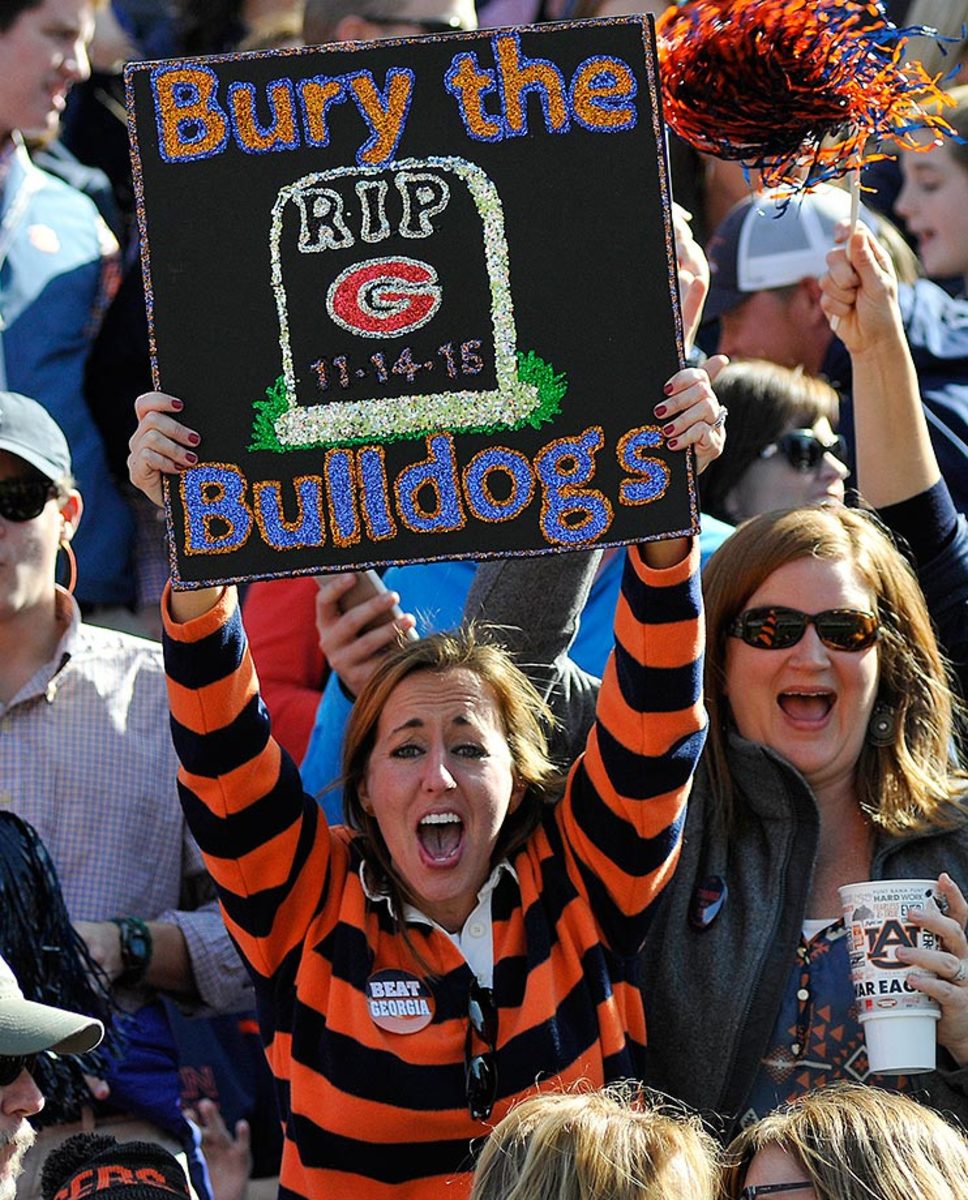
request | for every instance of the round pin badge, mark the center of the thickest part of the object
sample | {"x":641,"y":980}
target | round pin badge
{"x":399,"y":1002}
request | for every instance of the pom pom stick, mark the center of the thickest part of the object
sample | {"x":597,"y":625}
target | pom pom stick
{"x":802,"y":91}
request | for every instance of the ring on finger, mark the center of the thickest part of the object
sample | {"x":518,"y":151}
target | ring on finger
{"x":720,"y":417}
{"x":962,"y":973}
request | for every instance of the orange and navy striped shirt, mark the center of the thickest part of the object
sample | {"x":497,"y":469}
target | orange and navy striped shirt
{"x":372,"y":1112}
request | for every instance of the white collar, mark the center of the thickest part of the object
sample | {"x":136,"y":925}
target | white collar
{"x":412,"y":915}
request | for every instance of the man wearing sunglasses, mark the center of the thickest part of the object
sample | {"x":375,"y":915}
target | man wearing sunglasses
{"x":366,"y":20}
{"x":766,"y":260}
{"x":86,"y":758}
{"x":26,"y":1030}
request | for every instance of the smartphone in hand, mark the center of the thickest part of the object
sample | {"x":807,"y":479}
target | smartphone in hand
{"x":369,"y":584}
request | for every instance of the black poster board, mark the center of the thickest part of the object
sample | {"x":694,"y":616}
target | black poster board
{"x":417,"y":295}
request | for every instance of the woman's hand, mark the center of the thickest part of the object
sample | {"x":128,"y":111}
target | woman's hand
{"x":690,"y":413}
{"x":693,"y":270}
{"x":353,"y":651}
{"x":947,"y":981}
{"x":160,"y":445}
{"x":859,"y":294}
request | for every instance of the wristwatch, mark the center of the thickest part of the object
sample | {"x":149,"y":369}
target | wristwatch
{"x":135,"y":949}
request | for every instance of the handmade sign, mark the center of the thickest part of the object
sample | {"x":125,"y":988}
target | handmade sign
{"x":418,"y":298}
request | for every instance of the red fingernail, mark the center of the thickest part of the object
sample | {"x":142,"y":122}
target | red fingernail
{"x":660,"y":410}
{"x":667,"y":429}
{"x":193,"y":458}
{"x":194,"y":439}
{"x":672,"y":443}
{"x":178,"y":405}
{"x":668,"y":389}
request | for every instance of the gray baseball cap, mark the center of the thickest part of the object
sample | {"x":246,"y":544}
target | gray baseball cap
{"x":28,"y":1027}
{"x":28,"y":430}
{"x":770,"y":241}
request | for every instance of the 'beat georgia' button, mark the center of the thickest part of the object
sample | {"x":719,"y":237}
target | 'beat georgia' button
{"x":399,"y":1002}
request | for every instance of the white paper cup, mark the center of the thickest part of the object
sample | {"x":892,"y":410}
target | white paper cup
{"x":898,"y":1020}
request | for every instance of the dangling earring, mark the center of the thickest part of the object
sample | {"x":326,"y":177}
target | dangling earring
{"x":882,"y":728}
{"x":71,"y":565}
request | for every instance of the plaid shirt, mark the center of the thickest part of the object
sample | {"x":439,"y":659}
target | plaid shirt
{"x":86,"y":757}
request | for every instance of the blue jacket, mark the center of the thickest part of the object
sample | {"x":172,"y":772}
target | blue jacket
{"x":51,"y":288}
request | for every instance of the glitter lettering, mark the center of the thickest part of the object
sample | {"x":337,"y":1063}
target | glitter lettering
{"x":513,"y":467}
{"x":599,"y":98}
{"x":385,"y":112}
{"x":190,"y":122}
{"x":341,"y":490}
{"x":276,"y":530}
{"x":631,"y":456}
{"x":519,"y":76}
{"x":372,"y":195}
{"x":355,"y":500}
{"x":571,"y":514}
{"x":322,"y":225}
{"x":252,"y":136}
{"x":436,"y":475}
{"x":601,"y":94}
{"x":379,"y":521}
{"x":469,"y":84}
{"x":315,"y":97}
{"x":424,"y":196}
{"x":217,"y":518}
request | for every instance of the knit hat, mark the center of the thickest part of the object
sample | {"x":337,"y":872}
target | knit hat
{"x":94,"y":1164}
{"x":771,"y":241}
{"x":30,"y":432}
{"x":27,"y":1027}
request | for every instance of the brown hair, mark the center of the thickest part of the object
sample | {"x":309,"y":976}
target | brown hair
{"x":859,"y":1143}
{"x":909,"y":785}
{"x":764,"y":401}
{"x":522,"y":711}
{"x":614,"y":1144}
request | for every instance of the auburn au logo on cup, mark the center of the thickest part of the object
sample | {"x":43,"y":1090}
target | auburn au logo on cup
{"x":398,"y":1001}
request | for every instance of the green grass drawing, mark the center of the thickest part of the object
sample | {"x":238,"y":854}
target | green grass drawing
{"x":550,"y":385}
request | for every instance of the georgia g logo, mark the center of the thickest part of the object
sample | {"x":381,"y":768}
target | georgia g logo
{"x":384,"y":297}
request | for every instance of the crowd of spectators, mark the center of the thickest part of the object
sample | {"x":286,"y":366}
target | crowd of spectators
{"x":647,"y":854}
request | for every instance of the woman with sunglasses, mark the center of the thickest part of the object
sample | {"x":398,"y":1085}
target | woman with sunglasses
{"x":848,"y":1142}
{"x":827,"y":763}
{"x":782,"y":450}
{"x":460,"y":939}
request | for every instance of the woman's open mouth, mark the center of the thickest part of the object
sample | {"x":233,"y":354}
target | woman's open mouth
{"x":807,"y":707}
{"x":441,"y":836}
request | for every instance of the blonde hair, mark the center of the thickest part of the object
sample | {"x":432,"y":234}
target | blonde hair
{"x":523,"y":714}
{"x":908,"y":786}
{"x":859,"y":1143}
{"x":613,"y":1144}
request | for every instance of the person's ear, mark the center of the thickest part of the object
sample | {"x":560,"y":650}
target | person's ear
{"x":71,"y":508}
{"x":809,"y":296}
{"x":517,"y":795}
{"x":363,"y":795}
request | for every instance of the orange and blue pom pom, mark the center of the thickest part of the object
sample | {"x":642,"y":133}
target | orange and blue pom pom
{"x":802,"y":91}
